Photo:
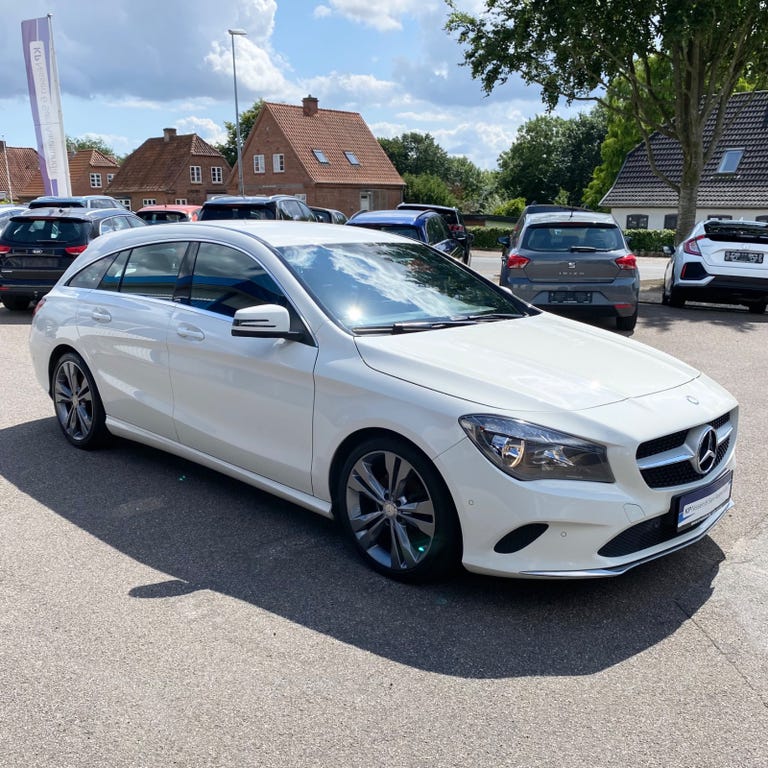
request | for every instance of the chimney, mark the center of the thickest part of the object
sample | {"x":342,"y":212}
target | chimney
{"x":310,"y":105}
{"x":168,"y":133}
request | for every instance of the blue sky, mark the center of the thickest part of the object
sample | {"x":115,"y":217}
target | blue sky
{"x":128,"y":70}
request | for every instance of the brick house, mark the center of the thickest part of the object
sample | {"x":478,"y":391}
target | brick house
{"x":734,"y":183}
{"x":20,"y":177}
{"x":91,"y":172}
{"x":170,"y":169}
{"x":325,"y":157}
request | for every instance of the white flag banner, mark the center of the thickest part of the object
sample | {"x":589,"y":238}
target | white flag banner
{"x":45,"y":98}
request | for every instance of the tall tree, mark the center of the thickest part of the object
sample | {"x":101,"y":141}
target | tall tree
{"x":574,"y":51}
{"x":91,"y":142}
{"x":247,"y":119}
{"x":416,"y":153}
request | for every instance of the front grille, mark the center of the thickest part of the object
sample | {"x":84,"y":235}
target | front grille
{"x":679,"y":470}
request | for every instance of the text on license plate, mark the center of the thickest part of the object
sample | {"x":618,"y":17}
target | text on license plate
{"x":747,"y":257}
{"x":570,"y":297}
{"x":701,"y":503}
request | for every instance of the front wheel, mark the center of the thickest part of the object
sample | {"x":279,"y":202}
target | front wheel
{"x":395,"y":509}
{"x":79,"y":409}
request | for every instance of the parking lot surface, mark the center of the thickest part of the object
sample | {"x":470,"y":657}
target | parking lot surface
{"x":154,"y":613}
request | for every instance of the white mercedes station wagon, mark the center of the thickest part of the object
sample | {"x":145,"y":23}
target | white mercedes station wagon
{"x":370,"y":378}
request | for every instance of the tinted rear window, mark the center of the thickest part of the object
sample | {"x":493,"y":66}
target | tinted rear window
{"x":244,"y":211}
{"x":161,"y":217}
{"x":28,"y":231}
{"x":558,"y":237}
{"x":737,"y":231}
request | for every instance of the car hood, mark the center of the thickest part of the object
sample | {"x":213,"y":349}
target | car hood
{"x":540,"y":363}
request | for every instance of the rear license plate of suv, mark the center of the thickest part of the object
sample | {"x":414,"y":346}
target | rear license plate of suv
{"x":570,"y":297}
{"x":748,"y":257}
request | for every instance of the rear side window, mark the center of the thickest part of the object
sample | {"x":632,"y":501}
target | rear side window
{"x":92,"y":275}
{"x":49,"y":231}
{"x":152,"y":269}
{"x":437,"y":230}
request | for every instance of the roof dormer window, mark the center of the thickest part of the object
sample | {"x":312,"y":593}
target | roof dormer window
{"x":352,"y":157}
{"x":730,"y":161}
{"x":320,"y":155}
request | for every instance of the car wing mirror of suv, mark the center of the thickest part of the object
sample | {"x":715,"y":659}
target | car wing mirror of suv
{"x":667,"y":250}
{"x":503,"y":240}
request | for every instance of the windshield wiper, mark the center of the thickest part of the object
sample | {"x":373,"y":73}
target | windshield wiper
{"x":493,"y":316}
{"x":413,"y":327}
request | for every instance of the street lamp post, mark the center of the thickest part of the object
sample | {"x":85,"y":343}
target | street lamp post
{"x":233,"y":33}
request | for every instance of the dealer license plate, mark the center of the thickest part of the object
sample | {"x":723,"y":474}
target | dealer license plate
{"x":747,"y":257}
{"x":570,"y":297}
{"x":697,"y":505}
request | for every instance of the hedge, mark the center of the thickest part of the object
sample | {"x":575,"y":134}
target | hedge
{"x":642,"y":240}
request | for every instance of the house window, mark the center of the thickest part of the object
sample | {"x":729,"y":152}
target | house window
{"x":730,"y":161}
{"x":149,"y":201}
{"x":258,"y":164}
{"x":320,"y":155}
{"x":719,"y":216}
{"x":110,"y":176}
{"x":195,"y":174}
{"x":180,"y":201}
{"x":125,"y":202}
{"x":670,"y":221}
{"x":637,"y":221}
{"x":216,"y":175}
{"x":301,"y":197}
{"x":352,"y":157}
{"x":95,"y":181}
{"x":278,"y":163}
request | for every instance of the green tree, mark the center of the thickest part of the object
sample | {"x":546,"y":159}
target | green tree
{"x":247,"y":119}
{"x":91,"y":142}
{"x":416,"y":153}
{"x":427,"y":188}
{"x":575,"y":50}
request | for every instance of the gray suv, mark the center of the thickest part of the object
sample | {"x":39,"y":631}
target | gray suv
{"x":574,"y":263}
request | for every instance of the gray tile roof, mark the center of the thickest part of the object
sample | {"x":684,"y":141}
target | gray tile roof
{"x":746,"y":128}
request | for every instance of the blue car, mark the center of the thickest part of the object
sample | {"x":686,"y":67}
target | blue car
{"x":427,"y":226}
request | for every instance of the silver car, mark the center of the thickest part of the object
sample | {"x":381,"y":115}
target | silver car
{"x":573,"y":262}
{"x":721,"y":261}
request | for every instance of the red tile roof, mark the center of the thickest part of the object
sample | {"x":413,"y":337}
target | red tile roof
{"x":157,"y":163}
{"x":334,"y":132}
{"x":23,"y":166}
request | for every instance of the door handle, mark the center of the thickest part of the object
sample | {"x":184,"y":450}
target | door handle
{"x":189,"y":332}
{"x":101,"y":315}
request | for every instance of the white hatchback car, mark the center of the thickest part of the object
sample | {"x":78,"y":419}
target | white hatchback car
{"x":369,"y":377}
{"x":722,"y":261}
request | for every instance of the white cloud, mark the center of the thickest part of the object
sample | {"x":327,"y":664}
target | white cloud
{"x":207,"y":129}
{"x":384,"y":17}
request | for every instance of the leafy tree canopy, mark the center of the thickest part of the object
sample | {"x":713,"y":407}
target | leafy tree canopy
{"x":576,"y":50}
{"x":416,"y":153}
{"x":247,"y":119}
{"x":427,"y":188}
{"x":91,"y":142}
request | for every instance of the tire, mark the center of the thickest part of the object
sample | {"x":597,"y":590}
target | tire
{"x":16,"y":303}
{"x":757,"y":308}
{"x":627,"y":323}
{"x":77,"y":403}
{"x":396,"y":512}
{"x":675,"y":299}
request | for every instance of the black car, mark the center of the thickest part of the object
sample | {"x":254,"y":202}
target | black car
{"x":328,"y":215}
{"x":256,"y":207}
{"x":454,"y":220}
{"x":38,"y":245}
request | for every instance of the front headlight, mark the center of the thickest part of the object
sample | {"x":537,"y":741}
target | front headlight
{"x":530,"y":452}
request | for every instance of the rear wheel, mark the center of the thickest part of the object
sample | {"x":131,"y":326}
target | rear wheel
{"x":395,"y":509}
{"x":79,"y":409}
{"x":757,"y":308}
{"x":675,"y":299}
{"x":16,"y":303}
{"x":627,"y":323}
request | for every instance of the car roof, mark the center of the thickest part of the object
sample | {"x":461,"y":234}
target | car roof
{"x":402,"y":216}
{"x":77,"y":213}
{"x":427,"y":207}
{"x":169,"y":207}
{"x":571,"y":215}
{"x":245,"y":199}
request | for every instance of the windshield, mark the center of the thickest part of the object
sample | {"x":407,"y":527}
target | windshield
{"x":28,"y":231}
{"x":560,"y":237}
{"x":373,"y":286}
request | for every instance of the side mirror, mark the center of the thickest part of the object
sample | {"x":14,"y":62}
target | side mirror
{"x":266,"y":321}
{"x":668,"y":250}
{"x":503,"y":240}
